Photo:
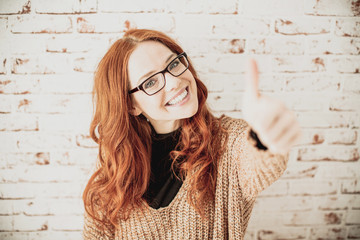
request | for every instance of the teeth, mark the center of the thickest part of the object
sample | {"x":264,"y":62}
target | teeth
{"x":178,"y":98}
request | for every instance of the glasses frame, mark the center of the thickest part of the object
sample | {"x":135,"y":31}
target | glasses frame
{"x":140,"y":87}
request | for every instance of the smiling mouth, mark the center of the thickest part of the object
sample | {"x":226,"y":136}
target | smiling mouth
{"x":179,"y":98}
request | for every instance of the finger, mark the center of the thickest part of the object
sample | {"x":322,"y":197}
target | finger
{"x":291,"y":137}
{"x":270,"y":112}
{"x":284,"y":122}
{"x":252,"y":80}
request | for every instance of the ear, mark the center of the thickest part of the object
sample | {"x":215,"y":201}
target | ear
{"x":135,"y":111}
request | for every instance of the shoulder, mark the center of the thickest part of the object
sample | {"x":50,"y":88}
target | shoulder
{"x":234,"y":125}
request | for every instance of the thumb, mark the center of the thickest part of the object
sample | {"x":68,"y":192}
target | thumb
{"x":252,"y":80}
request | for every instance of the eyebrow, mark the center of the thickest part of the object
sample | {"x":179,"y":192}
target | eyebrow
{"x":151,"y":72}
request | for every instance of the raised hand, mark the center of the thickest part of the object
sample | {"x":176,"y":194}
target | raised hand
{"x":275,"y":125}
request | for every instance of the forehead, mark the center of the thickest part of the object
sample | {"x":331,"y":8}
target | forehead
{"x":148,"y":56}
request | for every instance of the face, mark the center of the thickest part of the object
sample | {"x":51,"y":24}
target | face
{"x":150,"y":57}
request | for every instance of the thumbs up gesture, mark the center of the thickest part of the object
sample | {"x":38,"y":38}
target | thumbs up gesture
{"x":275,"y":125}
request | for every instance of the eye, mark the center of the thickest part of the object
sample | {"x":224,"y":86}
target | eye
{"x":150,"y":83}
{"x":174,"y":64}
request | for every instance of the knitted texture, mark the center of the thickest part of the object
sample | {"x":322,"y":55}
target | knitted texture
{"x":243,"y":172}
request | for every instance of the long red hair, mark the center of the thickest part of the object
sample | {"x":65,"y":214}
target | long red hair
{"x":123,"y":169}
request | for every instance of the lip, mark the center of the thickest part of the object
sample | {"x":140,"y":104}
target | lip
{"x":180,"y":92}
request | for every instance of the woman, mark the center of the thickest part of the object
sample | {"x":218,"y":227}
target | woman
{"x":169,"y":169}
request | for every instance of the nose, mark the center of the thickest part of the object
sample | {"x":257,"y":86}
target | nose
{"x":172,"y":83}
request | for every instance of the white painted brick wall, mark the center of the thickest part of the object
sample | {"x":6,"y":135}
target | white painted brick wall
{"x":308,"y":56}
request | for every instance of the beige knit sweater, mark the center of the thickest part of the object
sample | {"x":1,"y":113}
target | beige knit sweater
{"x":244,"y":171}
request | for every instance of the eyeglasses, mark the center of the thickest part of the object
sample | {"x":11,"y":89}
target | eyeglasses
{"x":156,"y":82}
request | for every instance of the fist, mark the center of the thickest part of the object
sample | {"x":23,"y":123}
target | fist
{"x":275,"y":125}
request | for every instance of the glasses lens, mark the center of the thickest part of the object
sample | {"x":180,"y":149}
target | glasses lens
{"x":178,"y":66}
{"x":154,"y":84}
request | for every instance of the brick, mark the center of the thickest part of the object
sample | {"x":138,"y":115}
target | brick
{"x":295,"y":64}
{"x":350,"y":64}
{"x":265,"y":220}
{"x":59,"y":190}
{"x":3,"y":26}
{"x":17,"y":191}
{"x":337,"y":202}
{"x":43,"y":141}
{"x":354,"y":232}
{"x":347,"y":27}
{"x":66,"y":206}
{"x":85,"y":157}
{"x":3,"y":66}
{"x":350,"y":187}
{"x":18,"y":122}
{"x":313,"y":218}
{"x":14,"y":44}
{"x":65,"y":84}
{"x":336,"y":170}
{"x":41,"y":24}
{"x":224,"y":26}
{"x":341,"y":137}
{"x":278,"y":188}
{"x":276,"y":46}
{"x":331,"y":8}
{"x":16,"y":7}
{"x":312,"y":137}
{"x":67,"y":6}
{"x":40,"y":64}
{"x":342,"y":154}
{"x":201,"y":25}
{"x":282,"y":233}
{"x":131,"y":6}
{"x":305,"y":102}
{"x":356,"y":203}
{"x":32,"y":207}
{"x":14,"y":235}
{"x":41,"y":174}
{"x":223,"y":7}
{"x":6,"y":223}
{"x":72,"y":235}
{"x":33,"y":223}
{"x":41,"y":190}
{"x":76,"y":44}
{"x":16,"y":84}
{"x":7,"y":103}
{"x":229,"y":63}
{"x":351,"y":84}
{"x":85,"y":141}
{"x":338,"y":46}
{"x":8,"y":142}
{"x":121,"y":23}
{"x":319,"y":83}
{"x":67,"y":223}
{"x":296,"y":170}
{"x":12,"y":160}
{"x":302,"y":26}
{"x":353,"y":217}
{"x":344,"y":103}
{"x":328,"y":120}
{"x":80,"y":104}
{"x":287,"y":203}
{"x":332,"y":233}
{"x":307,"y":187}
{"x":221,"y":101}
{"x":269,"y":8}
{"x":6,"y":207}
{"x":65,"y":123}
{"x":85,"y":64}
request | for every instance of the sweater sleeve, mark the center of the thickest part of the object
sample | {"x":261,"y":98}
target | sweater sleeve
{"x":95,"y":230}
{"x":256,"y":168}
